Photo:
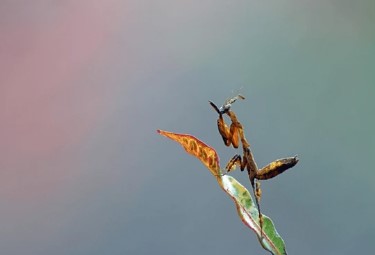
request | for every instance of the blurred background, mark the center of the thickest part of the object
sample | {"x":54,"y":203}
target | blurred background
{"x":85,"y":84}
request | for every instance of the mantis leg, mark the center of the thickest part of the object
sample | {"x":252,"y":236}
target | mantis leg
{"x":258,"y":194}
{"x":225,"y":132}
{"x":229,"y":135}
{"x":252,"y":170}
{"x":236,"y":161}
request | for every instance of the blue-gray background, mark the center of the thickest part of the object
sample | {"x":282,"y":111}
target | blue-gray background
{"x":85,"y":85}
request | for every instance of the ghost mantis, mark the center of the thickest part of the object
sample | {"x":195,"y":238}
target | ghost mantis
{"x":232,"y":136}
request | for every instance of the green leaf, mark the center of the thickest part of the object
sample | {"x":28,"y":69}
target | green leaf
{"x":246,"y":208}
{"x":248,"y":212}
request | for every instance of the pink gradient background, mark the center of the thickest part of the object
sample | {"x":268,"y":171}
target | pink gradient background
{"x":46,"y":113}
{"x":49,"y":111}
